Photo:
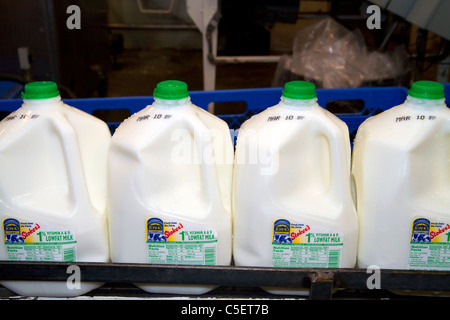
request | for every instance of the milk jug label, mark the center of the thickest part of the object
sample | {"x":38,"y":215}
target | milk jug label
{"x":429,"y":245}
{"x":32,"y":241}
{"x":300,"y":245}
{"x":175,"y":242}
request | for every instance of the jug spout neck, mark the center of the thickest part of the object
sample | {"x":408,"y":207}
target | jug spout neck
{"x":42,"y":104}
{"x":176,"y":103}
{"x":298,"y":103}
{"x":418,"y":103}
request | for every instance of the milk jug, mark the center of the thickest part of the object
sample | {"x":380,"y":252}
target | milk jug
{"x":401,"y":170}
{"x":52,"y":188}
{"x":292,"y":198}
{"x":170,"y":173}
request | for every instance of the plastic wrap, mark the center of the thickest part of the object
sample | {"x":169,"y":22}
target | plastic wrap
{"x":332,"y":56}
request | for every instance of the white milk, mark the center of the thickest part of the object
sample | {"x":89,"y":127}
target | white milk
{"x":292,"y":199}
{"x":170,"y":172}
{"x":401,"y":168}
{"x":52,"y":188}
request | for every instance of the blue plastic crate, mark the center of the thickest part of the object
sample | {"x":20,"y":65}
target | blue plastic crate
{"x":447,"y":92}
{"x":369,"y":101}
{"x":10,"y":89}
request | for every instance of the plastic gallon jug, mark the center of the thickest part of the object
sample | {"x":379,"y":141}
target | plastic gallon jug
{"x":401,"y":169}
{"x":52,"y":188}
{"x":292,"y":198}
{"x":170,"y":173}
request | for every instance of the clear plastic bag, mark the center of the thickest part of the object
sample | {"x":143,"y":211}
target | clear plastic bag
{"x":385,"y":65}
{"x":330,"y":55}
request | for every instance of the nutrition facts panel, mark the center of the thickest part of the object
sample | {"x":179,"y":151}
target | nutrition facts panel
{"x":33,"y":241}
{"x":201,"y":253}
{"x":306,"y":255}
{"x":42,"y":252}
{"x":429,"y":256}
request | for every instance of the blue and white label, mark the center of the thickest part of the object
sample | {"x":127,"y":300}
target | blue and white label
{"x":429,"y":245}
{"x":299,"y":245}
{"x":176,"y":242}
{"x":33,"y":241}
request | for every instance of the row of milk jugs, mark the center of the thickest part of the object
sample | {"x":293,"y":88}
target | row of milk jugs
{"x":169,"y":188}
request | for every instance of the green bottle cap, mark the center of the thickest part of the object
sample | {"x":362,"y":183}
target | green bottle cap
{"x":40,"y":90}
{"x":300,"y":90}
{"x":425,"y":89}
{"x":171,"y":90}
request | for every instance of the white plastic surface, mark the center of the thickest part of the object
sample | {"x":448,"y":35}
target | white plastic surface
{"x":293,"y":162}
{"x":401,"y":168}
{"x":171,"y":161}
{"x":53,"y":182}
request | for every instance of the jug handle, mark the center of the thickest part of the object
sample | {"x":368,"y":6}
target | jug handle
{"x":72,"y":158}
{"x":447,"y":131}
{"x":340,"y":179}
{"x":209,"y":171}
